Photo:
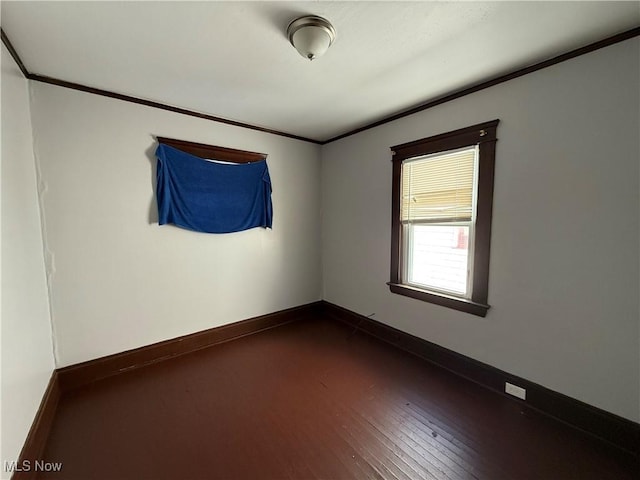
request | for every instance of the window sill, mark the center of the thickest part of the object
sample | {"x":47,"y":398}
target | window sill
{"x":460,"y":304}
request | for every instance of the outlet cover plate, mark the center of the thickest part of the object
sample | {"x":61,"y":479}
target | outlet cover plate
{"x":516,"y":391}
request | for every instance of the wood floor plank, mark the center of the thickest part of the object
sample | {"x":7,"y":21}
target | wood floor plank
{"x":311,"y":400}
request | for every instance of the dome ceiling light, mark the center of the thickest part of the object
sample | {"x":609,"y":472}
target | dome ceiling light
{"x":311,"y":36}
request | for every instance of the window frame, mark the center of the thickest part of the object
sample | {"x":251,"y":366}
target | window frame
{"x":483,"y":135}
{"x":205,"y":151}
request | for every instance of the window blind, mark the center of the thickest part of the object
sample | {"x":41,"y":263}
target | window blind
{"x":438,"y":187}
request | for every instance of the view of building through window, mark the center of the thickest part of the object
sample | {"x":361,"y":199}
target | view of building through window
{"x":438,"y":257}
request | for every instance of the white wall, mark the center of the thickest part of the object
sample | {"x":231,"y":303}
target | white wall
{"x":564,"y":254}
{"x":119,"y":280}
{"x":27,"y":354}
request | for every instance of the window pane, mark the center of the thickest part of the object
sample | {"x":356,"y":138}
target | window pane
{"x":438,"y":256}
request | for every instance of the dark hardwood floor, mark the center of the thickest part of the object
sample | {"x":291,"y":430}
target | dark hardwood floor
{"x":311,"y":400}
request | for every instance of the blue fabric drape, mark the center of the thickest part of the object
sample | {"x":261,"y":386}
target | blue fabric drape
{"x":211,"y":197}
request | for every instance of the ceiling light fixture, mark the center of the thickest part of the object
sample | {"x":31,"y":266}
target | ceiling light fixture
{"x":311,"y":36}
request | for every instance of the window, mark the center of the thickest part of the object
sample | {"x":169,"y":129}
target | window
{"x":212,"y":189}
{"x":441,"y":225}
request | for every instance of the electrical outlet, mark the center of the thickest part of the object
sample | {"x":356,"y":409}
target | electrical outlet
{"x":519,"y":392}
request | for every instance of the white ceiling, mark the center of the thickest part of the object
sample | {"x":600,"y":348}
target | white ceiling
{"x":233,"y":60}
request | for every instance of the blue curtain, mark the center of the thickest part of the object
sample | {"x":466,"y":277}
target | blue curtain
{"x":211,"y":197}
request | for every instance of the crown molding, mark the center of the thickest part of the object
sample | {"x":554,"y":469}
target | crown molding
{"x":14,"y":54}
{"x":140,"y":101}
{"x":620,"y":37}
